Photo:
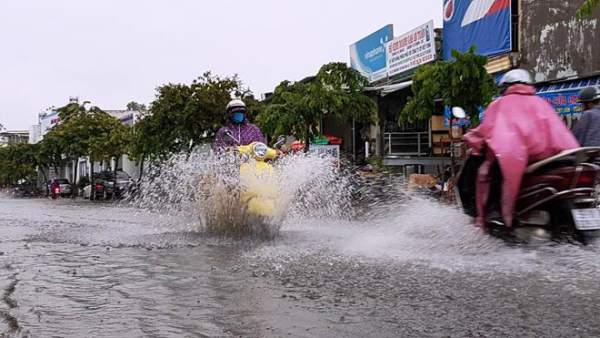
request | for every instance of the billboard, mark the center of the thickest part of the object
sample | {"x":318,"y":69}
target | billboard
{"x":483,"y":23}
{"x":47,"y":121}
{"x":565,"y":103}
{"x":368,"y":55}
{"x":411,"y":50}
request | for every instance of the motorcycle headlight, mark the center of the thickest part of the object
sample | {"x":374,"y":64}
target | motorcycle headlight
{"x":260,"y":150}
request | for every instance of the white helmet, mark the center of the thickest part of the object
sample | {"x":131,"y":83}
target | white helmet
{"x":516,"y":76}
{"x":236,"y":103}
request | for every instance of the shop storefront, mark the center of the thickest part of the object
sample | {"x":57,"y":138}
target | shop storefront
{"x":564,"y":96}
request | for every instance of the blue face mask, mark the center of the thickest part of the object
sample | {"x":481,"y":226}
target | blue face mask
{"x":238,"y":117}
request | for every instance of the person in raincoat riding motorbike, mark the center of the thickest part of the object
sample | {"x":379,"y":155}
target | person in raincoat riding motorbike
{"x":237,"y":131}
{"x":519,"y":128}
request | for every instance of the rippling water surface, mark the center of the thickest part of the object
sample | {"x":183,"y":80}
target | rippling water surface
{"x":413,"y":268}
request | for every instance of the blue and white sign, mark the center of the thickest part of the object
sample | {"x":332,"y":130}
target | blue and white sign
{"x":368,"y":55}
{"x":411,"y":50}
{"x":486,"y":24}
{"x":565,"y":103}
{"x":48,"y":120}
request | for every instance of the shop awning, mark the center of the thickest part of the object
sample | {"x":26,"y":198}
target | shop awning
{"x":564,"y":95}
{"x":388,"y":89}
{"x":578,"y":85}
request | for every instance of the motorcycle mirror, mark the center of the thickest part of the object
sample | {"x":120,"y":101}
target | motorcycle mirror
{"x":229,"y":134}
{"x":458,"y":112}
{"x":280,"y":142}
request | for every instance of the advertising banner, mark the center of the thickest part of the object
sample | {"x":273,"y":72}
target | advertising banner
{"x":565,"y":103}
{"x":368,"y":55}
{"x":48,"y":121}
{"x":486,"y":24}
{"x":411,"y":50}
{"x":332,"y":151}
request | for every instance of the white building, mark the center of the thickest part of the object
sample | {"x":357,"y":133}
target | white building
{"x":50,"y":118}
{"x":35,"y":134}
{"x":13,"y":137}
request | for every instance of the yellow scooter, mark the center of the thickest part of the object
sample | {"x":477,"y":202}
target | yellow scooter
{"x":259,"y":191}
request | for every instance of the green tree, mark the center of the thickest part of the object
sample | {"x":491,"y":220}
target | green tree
{"x":17,"y":163}
{"x":183,"y":116}
{"x":88,"y":131}
{"x":587,"y":8}
{"x":300,"y":107}
{"x":462,"y":82}
{"x":136,"y":106}
{"x":110,"y":143}
{"x":426,"y":87}
{"x":49,"y":156}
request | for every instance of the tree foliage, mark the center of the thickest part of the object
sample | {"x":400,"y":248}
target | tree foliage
{"x":136,"y":106}
{"x":183,"y":116}
{"x":85,"y":131}
{"x":300,"y":107}
{"x":462,"y":82}
{"x":587,"y":8}
{"x":50,"y":154}
{"x":17,"y":162}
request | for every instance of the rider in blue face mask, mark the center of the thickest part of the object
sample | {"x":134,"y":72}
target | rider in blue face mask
{"x":238,"y":117}
{"x":242,"y":131}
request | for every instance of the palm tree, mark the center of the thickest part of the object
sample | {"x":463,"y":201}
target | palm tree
{"x":587,"y":8}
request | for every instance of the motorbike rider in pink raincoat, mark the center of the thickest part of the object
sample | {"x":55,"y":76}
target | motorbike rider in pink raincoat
{"x":519,"y":128}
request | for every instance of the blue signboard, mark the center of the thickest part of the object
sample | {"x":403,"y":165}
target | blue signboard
{"x":368,"y":55}
{"x":565,"y":103}
{"x":466,"y":122}
{"x":486,"y":24}
{"x":564,"y":96}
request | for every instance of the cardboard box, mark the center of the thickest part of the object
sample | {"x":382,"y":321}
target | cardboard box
{"x":435,"y":138}
{"x":437,"y":123}
{"x":440,"y":151}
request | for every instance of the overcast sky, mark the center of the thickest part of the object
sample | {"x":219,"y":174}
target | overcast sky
{"x":113,"y":51}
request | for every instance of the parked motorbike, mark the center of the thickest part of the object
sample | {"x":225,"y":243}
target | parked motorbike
{"x":558,"y":196}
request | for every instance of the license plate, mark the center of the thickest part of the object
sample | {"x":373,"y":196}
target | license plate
{"x":586,"y":219}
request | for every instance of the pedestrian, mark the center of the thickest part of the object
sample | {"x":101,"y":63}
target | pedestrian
{"x":587,"y":130}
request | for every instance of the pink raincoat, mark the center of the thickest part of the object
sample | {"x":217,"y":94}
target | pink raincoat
{"x":519,"y":128}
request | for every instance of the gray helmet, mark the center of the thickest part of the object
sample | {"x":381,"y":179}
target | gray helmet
{"x":236,"y":104}
{"x":516,"y":76}
{"x":589,"y":94}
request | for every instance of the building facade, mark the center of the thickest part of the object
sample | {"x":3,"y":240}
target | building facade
{"x":544,"y":37}
{"x":50,"y":118}
{"x":554,"y":44}
{"x":8,"y":137}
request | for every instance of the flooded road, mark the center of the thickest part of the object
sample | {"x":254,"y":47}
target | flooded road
{"x":76,"y":269}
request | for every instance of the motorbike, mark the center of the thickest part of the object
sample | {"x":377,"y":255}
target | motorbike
{"x":259,"y":198}
{"x":558,"y":196}
{"x":55,"y":192}
{"x":255,"y":190}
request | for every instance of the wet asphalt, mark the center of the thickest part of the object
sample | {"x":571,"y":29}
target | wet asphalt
{"x":78,"y":269}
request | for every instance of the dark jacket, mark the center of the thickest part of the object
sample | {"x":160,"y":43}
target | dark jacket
{"x":587,"y":130}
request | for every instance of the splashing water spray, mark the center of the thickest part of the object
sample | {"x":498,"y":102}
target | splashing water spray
{"x":209,"y":188}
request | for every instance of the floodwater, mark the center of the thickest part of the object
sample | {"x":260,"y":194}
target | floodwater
{"x":82,"y":269}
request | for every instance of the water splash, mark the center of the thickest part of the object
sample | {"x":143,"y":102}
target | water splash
{"x":336,"y":214}
{"x":206,"y":187}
